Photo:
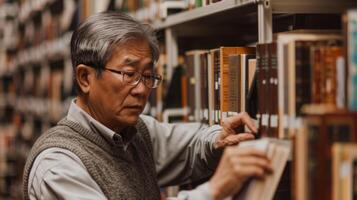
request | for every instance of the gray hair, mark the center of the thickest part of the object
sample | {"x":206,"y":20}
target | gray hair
{"x":94,"y":41}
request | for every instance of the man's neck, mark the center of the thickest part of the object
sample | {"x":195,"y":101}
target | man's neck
{"x":82,"y":103}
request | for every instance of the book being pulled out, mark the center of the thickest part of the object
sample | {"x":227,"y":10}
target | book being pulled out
{"x":278,"y":151}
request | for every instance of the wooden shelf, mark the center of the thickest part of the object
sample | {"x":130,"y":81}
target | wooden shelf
{"x":278,"y":7}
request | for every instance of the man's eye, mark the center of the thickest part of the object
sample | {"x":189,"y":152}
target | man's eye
{"x":130,"y":74}
{"x":148,"y":76}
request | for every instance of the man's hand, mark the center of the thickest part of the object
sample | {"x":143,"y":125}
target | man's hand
{"x":229,"y":136}
{"x":235,"y":167}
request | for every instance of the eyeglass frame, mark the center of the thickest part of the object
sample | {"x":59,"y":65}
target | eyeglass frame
{"x":141,"y":75}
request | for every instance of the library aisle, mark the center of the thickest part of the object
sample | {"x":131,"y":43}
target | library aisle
{"x":291,"y":65}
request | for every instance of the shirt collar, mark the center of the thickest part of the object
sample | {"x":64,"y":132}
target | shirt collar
{"x":123,"y":139}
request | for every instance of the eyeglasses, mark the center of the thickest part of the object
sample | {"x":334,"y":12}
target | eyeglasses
{"x":133,"y":78}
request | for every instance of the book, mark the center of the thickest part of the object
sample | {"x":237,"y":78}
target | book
{"x":204,"y":87}
{"x":278,"y":151}
{"x":273,"y":86}
{"x":211,"y":88}
{"x":238,"y":83}
{"x":344,"y":170}
{"x":261,"y":56}
{"x":193,"y":66}
{"x":351,"y":44}
{"x":234,"y":95}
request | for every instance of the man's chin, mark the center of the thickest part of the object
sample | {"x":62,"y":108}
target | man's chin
{"x":131,"y":120}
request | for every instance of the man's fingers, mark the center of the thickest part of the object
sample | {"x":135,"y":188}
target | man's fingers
{"x":249,"y":171}
{"x":249,"y":152}
{"x":235,"y":139}
{"x":256,"y":161}
{"x":241,"y":119}
{"x":246,"y":136}
{"x":236,"y":152}
{"x":246,"y":120}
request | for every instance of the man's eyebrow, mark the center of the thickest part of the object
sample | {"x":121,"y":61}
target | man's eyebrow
{"x":131,"y":62}
{"x":136,"y":62}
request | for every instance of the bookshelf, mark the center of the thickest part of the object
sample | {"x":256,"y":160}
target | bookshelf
{"x":198,"y":21}
{"x":35,"y":76}
{"x":28,"y":105}
{"x":260,"y":22}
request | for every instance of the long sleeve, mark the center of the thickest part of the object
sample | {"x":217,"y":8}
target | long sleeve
{"x":59,"y":174}
{"x":183,"y":152}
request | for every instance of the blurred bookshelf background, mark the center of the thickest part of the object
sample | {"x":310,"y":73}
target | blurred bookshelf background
{"x":292,"y":65}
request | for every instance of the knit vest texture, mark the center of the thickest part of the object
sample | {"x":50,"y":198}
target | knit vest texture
{"x":120,"y":174}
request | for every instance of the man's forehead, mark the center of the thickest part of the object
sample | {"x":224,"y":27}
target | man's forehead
{"x":132,"y":51}
{"x":134,"y":60}
{"x":136,"y":46}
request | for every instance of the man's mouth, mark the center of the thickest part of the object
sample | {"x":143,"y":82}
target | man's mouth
{"x":135,"y":107}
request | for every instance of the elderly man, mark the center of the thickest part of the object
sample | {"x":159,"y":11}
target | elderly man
{"x":104,"y":148}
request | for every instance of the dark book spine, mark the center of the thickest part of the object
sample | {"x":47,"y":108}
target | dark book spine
{"x":273,"y":86}
{"x":313,"y":132}
{"x":204,"y":88}
{"x":263,"y":89}
{"x":216,"y":68}
{"x":260,"y":92}
{"x":190,"y":86}
{"x":303,"y":74}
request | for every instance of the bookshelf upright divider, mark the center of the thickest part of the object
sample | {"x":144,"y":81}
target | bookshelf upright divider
{"x":265,"y":22}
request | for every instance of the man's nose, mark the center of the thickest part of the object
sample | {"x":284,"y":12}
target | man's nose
{"x":140,"y":88}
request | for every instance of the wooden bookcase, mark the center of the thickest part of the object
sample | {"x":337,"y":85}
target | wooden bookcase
{"x":227,"y":22}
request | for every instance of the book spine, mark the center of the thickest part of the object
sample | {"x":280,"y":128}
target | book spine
{"x":352,"y":59}
{"x":303,"y":74}
{"x":263,"y":90}
{"x":216,"y":67}
{"x":197,"y":86}
{"x":260,"y":97}
{"x":234,"y":97}
{"x":204,"y":88}
{"x":191,"y":81}
{"x":273,"y":122}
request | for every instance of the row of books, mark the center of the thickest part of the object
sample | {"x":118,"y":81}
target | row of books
{"x":297,"y":69}
{"x":62,"y":11}
{"x":42,"y":36}
{"x":217,"y":82}
{"x":41,"y":31}
{"x":38,"y":90}
{"x":7,"y":134}
{"x":271,"y":82}
{"x":46,"y":23}
{"x":319,"y":152}
{"x":36,"y":80}
{"x":16,"y":139}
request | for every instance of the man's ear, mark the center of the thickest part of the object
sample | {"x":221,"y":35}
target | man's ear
{"x":83,"y":75}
